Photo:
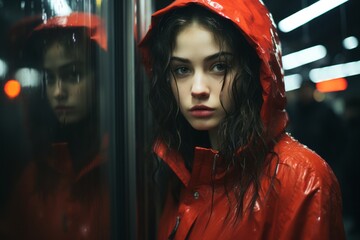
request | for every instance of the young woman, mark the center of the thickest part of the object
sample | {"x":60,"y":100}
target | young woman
{"x":63,"y":193}
{"x":218,"y":98}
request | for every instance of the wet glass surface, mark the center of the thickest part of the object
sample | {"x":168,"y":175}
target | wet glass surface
{"x":54,"y":144}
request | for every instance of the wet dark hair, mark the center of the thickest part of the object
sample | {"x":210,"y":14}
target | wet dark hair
{"x":242,"y":128}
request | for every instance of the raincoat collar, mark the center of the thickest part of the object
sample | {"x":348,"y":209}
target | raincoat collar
{"x":208,"y":167}
{"x":62,"y":163}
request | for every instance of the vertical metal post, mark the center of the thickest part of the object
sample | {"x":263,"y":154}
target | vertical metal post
{"x":121,"y":90}
{"x":129,"y":110}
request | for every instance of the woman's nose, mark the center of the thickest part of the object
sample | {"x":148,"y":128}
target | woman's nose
{"x":59,"y":90}
{"x":199,"y":88}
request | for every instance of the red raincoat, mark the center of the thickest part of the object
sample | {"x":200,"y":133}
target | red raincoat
{"x":305,"y":202}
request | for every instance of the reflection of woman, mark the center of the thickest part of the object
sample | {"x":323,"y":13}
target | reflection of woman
{"x":63,"y":193}
{"x":218,"y":98}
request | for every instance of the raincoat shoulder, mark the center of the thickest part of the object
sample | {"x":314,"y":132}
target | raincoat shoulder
{"x":308,"y":193}
{"x":303,"y":202}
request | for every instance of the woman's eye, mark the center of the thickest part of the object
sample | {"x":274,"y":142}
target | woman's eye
{"x":220,"y":67}
{"x":72,"y":76}
{"x":49,"y":78}
{"x":180,"y":71}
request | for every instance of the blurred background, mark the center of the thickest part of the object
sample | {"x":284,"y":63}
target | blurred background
{"x":321,"y":59}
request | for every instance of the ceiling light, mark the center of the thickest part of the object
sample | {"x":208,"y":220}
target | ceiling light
{"x":292,"y":82}
{"x":60,"y":7}
{"x":350,"y":42}
{"x":333,"y":85}
{"x":303,"y":57}
{"x":307,"y":14}
{"x":336,"y":71}
{"x":28,"y":77}
{"x":3,"y":68}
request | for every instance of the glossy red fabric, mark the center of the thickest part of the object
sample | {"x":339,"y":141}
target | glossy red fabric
{"x":304,"y":201}
{"x":91,"y":22}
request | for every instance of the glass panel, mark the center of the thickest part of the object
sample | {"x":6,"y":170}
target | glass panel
{"x":56,"y":127}
{"x":146,"y":194}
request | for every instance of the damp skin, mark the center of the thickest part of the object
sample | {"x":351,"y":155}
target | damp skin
{"x":69,"y":84}
{"x":201,"y":79}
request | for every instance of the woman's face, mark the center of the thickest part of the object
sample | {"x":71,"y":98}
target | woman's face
{"x":198,"y":66}
{"x":69,"y":83}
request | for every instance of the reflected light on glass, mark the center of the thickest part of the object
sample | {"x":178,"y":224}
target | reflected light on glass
{"x":60,"y":7}
{"x":12,"y":88}
{"x":3,"y":68}
{"x":303,"y":57}
{"x":335,"y":71}
{"x":333,"y":85}
{"x":292,"y":82}
{"x":350,"y":42}
{"x":319,"y":96}
{"x":307,"y":14}
{"x":28,"y":77}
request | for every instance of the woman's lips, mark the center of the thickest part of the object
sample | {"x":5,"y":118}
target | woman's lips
{"x":63,"y":109}
{"x":201,"y":111}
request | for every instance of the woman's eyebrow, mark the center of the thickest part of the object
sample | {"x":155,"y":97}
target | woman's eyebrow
{"x":179,"y":59}
{"x":218,"y":55}
{"x":208,"y":58}
{"x":70,"y":65}
{"x":65,"y":66}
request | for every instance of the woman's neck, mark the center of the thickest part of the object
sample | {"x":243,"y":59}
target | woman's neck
{"x":214,"y":138}
{"x":83,"y":142}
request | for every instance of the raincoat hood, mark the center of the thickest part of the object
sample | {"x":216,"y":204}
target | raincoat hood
{"x":94,"y":25}
{"x":256,"y":23}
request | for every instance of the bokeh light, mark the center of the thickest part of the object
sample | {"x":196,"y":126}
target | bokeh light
{"x":12,"y":88}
